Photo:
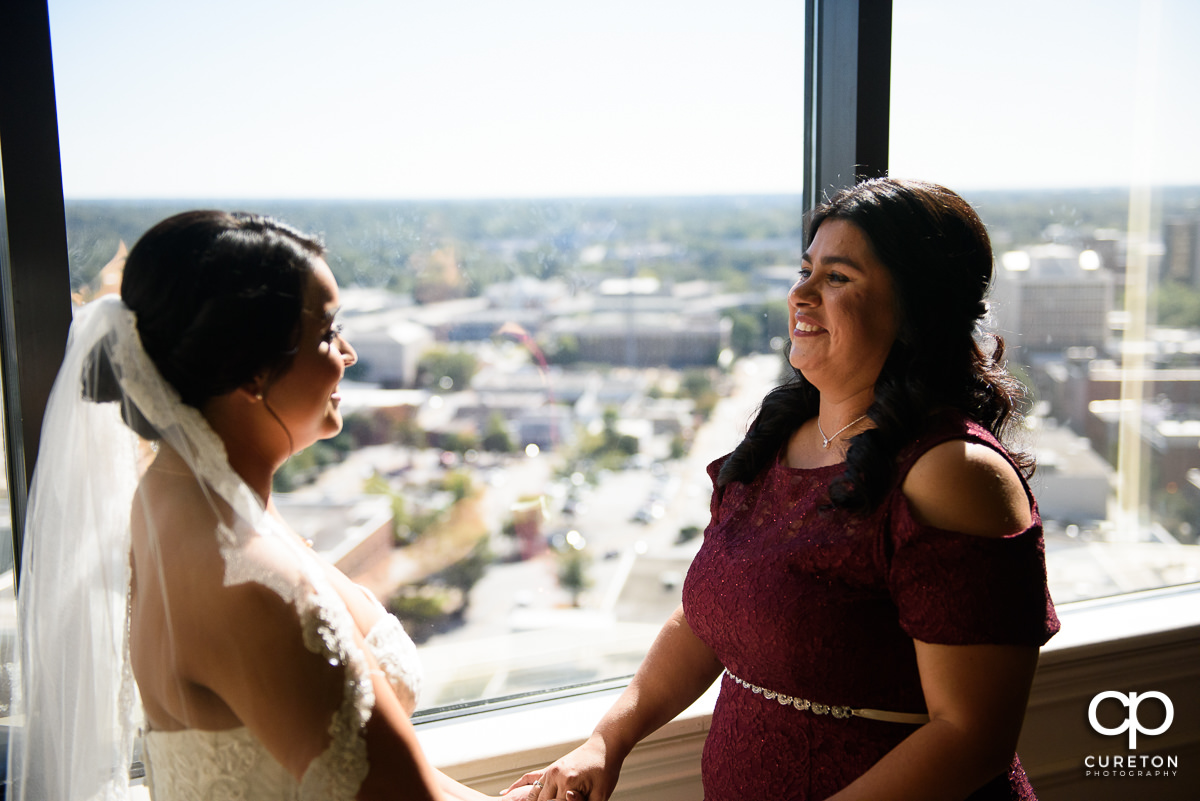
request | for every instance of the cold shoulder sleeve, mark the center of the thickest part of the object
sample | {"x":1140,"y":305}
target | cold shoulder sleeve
{"x":960,"y":589}
{"x":953,"y":588}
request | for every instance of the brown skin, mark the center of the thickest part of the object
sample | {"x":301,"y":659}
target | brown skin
{"x":213,"y":657}
{"x":844,"y":324}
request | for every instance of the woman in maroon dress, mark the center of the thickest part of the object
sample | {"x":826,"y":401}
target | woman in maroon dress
{"x":871,"y":590}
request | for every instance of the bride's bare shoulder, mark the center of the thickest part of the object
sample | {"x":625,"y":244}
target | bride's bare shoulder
{"x":176,"y":522}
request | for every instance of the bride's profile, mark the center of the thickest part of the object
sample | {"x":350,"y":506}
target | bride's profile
{"x":160,"y":590}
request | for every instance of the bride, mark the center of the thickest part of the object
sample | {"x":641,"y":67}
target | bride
{"x":163,"y":573}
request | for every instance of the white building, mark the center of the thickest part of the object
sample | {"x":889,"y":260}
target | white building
{"x":1052,"y":297}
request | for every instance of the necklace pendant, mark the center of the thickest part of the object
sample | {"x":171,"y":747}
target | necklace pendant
{"x":826,"y":441}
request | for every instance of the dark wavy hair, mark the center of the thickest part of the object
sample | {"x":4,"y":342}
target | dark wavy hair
{"x":218,"y":298}
{"x":940,"y":259}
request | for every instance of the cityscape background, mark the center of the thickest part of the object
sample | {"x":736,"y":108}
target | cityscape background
{"x":564,"y":232}
{"x":542,"y":383}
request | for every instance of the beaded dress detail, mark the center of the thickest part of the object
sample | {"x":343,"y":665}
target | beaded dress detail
{"x":821,"y":605}
{"x":232,"y":765}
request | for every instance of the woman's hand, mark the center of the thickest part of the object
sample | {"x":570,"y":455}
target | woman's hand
{"x":585,"y":774}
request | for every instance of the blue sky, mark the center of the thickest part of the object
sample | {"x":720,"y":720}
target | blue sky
{"x":471,"y":98}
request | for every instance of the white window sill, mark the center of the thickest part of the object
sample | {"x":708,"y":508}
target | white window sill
{"x":490,"y":749}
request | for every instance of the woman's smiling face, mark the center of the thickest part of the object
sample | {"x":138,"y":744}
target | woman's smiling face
{"x":843,"y":311}
{"x":305,"y":397}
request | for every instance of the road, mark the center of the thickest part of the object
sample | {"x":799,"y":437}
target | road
{"x":525,"y":594}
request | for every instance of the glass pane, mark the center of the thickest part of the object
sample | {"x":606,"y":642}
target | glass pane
{"x":1081,"y":167}
{"x":558,"y":230}
{"x":9,"y":674}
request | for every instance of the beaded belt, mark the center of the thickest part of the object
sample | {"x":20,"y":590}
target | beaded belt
{"x":915,"y":718}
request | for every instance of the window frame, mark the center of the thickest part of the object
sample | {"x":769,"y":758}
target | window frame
{"x":846,"y":88}
{"x":35,"y":288}
{"x":846,"y":97}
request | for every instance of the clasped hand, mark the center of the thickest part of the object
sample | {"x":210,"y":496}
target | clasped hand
{"x":582,"y":775}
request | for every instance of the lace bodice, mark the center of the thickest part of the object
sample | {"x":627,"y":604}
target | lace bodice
{"x":232,"y":765}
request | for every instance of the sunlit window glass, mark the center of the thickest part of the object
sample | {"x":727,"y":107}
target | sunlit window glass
{"x":563,"y":233}
{"x":8,"y":609}
{"x":1081,"y":167}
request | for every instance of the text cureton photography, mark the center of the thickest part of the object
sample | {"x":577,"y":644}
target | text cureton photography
{"x":1130,"y":765}
{"x":1127,"y":765}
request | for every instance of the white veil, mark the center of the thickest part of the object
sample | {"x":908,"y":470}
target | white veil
{"x":75,"y":698}
{"x":78,"y":711}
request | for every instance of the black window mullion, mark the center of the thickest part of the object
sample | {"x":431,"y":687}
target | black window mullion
{"x":35,"y":304}
{"x":847,"y":93}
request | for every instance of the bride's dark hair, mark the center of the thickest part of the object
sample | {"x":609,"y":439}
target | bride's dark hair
{"x":940,"y":259}
{"x":218,"y":298}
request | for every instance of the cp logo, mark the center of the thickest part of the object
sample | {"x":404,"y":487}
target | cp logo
{"x":1131,"y":723}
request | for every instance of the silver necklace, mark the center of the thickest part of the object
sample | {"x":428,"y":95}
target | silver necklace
{"x":825,"y":441}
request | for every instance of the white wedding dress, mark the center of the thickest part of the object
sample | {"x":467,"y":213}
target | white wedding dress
{"x":79,"y":701}
{"x":232,"y":765}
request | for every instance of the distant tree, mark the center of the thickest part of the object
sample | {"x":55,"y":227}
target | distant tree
{"x":698,"y":386}
{"x":408,"y":432}
{"x":466,"y":572}
{"x":573,"y":575}
{"x":695,"y":383}
{"x":366,"y":429}
{"x":1178,"y":306}
{"x":304,"y":467}
{"x":457,"y":441}
{"x":459,"y":484}
{"x":401,"y":520}
{"x":679,"y":448}
{"x":754,"y":327}
{"x":440,"y":364}
{"x":746,"y":335}
{"x":496,"y":437}
{"x":562,"y":350}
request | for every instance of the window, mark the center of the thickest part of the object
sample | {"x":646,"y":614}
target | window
{"x":1081,"y":166}
{"x":563,"y":236}
{"x":8,"y":611}
{"x":911,"y":26}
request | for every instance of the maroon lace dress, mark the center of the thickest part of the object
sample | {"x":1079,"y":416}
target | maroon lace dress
{"x":824,"y":606}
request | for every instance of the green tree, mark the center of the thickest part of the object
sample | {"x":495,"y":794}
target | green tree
{"x":459,"y":484}
{"x":443,"y":369}
{"x":458,"y":441}
{"x":562,"y":350}
{"x":698,"y":386}
{"x":679,"y":447}
{"x":401,"y":520}
{"x":747,"y":333}
{"x":1178,"y":306}
{"x":495,"y":436}
{"x":407,"y":432}
{"x":695,"y":383}
{"x":304,"y":467}
{"x":466,"y":572}
{"x":573,"y":565}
